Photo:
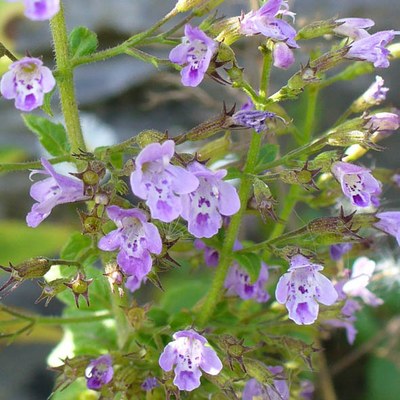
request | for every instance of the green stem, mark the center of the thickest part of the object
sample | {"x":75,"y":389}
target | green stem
{"x":141,"y":55}
{"x":266,"y":73}
{"x":65,"y":82}
{"x":121,"y":48}
{"x":312,"y":97}
{"x":11,"y":167}
{"x":231,"y":234}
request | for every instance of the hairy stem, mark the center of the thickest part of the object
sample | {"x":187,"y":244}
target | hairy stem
{"x":65,"y":81}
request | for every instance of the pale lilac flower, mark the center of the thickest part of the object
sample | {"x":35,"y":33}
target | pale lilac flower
{"x":357,"y":183}
{"x":27,"y":81}
{"x":356,"y":286}
{"x":253,"y":119}
{"x":283,"y":55}
{"x":150,"y":383}
{"x":336,"y":251}
{"x":136,"y":239}
{"x":301,"y":287}
{"x":376,"y":93}
{"x":354,"y":28}
{"x":40,"y":10}
{"x":372,"y":48}
{"x":189,"y":352}
{"x":159,"y":182}
{"x":195,"y":53}
{"x":307,"y":389}
{"x":204,"y":207}
{"x":256,"y":390}
{"x":238,"y":283}
{"x":264,"y":21}
{"x":54,"y":190}
{"x":99,"y":372}
{"x":389,"y":222}
{"x":211,"y":256}
{"x":396,"y":179}
{"x":383,"y":122}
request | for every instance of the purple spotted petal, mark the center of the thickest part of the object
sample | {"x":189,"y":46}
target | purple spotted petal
{"x":41,"y":10}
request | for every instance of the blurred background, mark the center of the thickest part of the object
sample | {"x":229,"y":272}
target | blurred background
{"x":121,"y":97}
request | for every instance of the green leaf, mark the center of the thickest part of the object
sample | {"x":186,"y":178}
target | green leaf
{"x":53,"y":137}
{"x":46,"y":107}
{"x":268,"y":153}
{"x":82,"y":42}
{"x":251,"y":262}
{"x":75,"y":245}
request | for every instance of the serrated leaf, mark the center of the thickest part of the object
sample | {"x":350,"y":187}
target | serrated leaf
{"x":53,"y":137}
{"x":251,"y":262}
{"x":82,"y":42}
{"x":268,"y":153}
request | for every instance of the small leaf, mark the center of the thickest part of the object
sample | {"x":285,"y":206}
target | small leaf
{"x":268,"y":153}
{"x":82,"y":42}
{"x":251,"y":262}
{"x":53,"y":137}
{"x":46,"y":107}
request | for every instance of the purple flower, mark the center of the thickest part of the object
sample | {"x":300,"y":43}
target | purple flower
{"x":203,"y":208}
{"x":357,"y":183}
{"x":238,"y":283}
{"x":396,"y":179}
{"x":159,"y":182}
{"x":211,"y":256}
{"x":336,"y":251}
{"x":256,"y":390}
{"x":356,"y":286}
{"x":27,"y":82}
{"x":383,"y":122}
{"x":376,"y":93}
{"x":354,"y":28}
{"x":99,"y":372}
{"x":372,"y":48}
{"x":195,"y":54}
{"x":301,"y":286}
{"x":283,"y":56}
{"x":57,"y":189}
{"x":307,"y":389}
{"x":389,"y":222}
{"x":135,"y":238}
{"x":40,"y":10}
{"x":264,"y":21}
{"x":150,"y":383}
{"x":253,"y":119}
{"x":189,"y":352}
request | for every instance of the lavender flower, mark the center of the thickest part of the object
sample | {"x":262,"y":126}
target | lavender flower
{"x":264,"y":21}
{"x":189,"y":352}
{"x":356,"y":286}
{"x":376,"y":93}
{"x":99,"y":372}
{"x":283,"y":56}
{"x":136,"y":239}
{"x":372,"y":48}
{"x":256,"y":390}
{"x":150,"y":383}
{"x":336,"y":251}
{"x":238,"y":283}
{"x":389,"y":222}
{"x":27,"y":82}
{"x":195,"y":54}
{"x":307,"y":389}
{"x":383,"y":122}
{"x":160,"y":183}
{"x":203,"y":208}
{"x":40,"y":10}
{"x":357,"y":183}
{"x":354,"y":28}
{"x":211,"y":256}
{"x":301,"y":286}
{"x":253,"y":119}
{"x":57,"y":189}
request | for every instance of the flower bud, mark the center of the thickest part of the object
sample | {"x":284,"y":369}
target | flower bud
{"x":304,"y":177}
{"x":91,"y":223}
{"x":317,"y":29}
{"x":144,"y":138}
{"x":91,"y":176}
{"x":348,"y":138}
{"x":258,"y":370}
{"x":206,"y":7}
{"x":187,"y":5}
{"x":226,"y":31}
{"x":115,"y":277}
{"x":80,"y":286}
{"x":50,"y":290}
{"x":329,"y":60}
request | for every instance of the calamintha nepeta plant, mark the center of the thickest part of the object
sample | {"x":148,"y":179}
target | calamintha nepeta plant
{"x":237,"y":339}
